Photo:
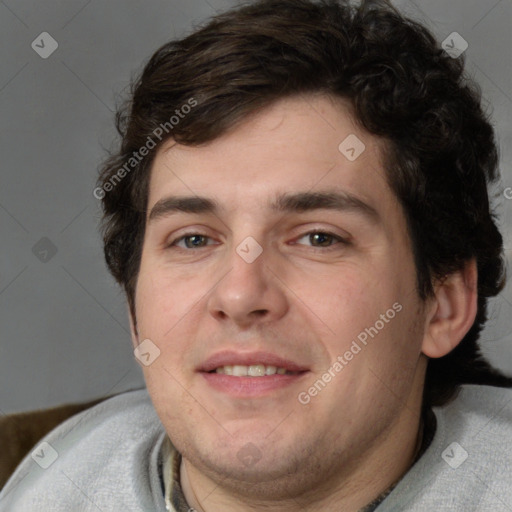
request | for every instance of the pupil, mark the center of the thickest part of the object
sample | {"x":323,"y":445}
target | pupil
{"x":194,"y":241}
{"x":322,"y":238}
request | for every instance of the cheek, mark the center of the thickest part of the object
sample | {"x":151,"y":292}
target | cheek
{"x":158,"y":322}
{"x":348,"y":299}
{"x":373,"y":318}
{"x":393,"y":354}
{"x":162,"y":301}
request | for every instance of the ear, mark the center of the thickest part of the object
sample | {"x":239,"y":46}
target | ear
{"x":453,"y":311}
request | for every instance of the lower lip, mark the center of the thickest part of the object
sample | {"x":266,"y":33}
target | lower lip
{"x":250,"y":386}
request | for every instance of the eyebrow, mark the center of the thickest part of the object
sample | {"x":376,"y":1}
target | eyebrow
{"x":290,"y":202}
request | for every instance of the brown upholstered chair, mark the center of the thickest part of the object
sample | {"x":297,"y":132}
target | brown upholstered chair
{"x":20,"y":432}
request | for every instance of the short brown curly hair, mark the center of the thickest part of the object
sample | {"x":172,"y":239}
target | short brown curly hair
{"x":441,"y":152}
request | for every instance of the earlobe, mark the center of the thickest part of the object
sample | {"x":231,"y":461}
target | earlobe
{"x":453,"y":311}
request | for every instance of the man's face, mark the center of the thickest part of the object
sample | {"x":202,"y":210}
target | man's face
{"x":251,"y":284}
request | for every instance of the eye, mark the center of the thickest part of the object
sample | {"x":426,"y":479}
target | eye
{"x":191,"y":241}
{"x":322,"y":239}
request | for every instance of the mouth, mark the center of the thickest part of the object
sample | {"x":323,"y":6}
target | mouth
{"x":254,"y":370}
{"x":244,"y":375}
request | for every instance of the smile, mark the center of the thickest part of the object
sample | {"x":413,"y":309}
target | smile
{"x":254,"y":370}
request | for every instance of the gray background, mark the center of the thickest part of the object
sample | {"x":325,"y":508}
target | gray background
{"x":64,"y":328}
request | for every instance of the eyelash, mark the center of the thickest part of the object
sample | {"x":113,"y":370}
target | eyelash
{"x":336,"y":238}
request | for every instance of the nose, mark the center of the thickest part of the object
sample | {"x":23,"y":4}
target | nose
{"x":249,"y":293}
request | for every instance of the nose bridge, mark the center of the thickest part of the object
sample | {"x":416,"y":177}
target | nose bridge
{"x":246,"y":280}
{"x":249,"y":250}
{"x":248,"y":290}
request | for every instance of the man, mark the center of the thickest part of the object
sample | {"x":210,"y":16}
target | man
{"x":298,"y":214}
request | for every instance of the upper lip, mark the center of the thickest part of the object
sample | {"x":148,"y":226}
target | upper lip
{"x":228,"y":357}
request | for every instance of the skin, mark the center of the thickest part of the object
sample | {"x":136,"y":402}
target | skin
{"x":300,"y":299}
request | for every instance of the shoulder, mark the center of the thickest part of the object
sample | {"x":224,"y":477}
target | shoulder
{"x":98,"y":457}
{"x":468,"y":465}
{"x":476,"y":399}
{"x":480,"y":418}
{"x":480,"y":415}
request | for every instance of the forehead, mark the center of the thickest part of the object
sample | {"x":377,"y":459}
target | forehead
{"x":297,"y":144}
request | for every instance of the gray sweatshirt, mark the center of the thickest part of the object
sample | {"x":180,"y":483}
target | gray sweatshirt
{"x":108,"y":459}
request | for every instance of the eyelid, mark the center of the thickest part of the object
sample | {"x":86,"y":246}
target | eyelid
{"x":290,"y":232}
{"x":176,"y":240}
{"x":338,"y":238}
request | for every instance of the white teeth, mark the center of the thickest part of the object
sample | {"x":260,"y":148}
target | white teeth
{"x":254,"y":370}
{"x":270,"y":370}
{"x":239,"y":371}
